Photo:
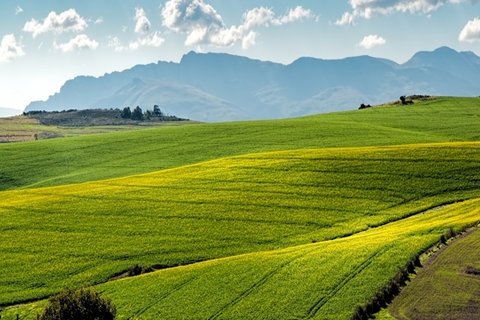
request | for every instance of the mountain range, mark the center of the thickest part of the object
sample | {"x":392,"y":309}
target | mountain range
{"x":224,"y":87}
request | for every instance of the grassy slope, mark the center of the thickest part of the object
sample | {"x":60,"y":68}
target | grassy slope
{"x":82,"y":234}
{"x":443,"y":290}
{"x":325,"y":280}
{"x":79,"y":159}
{"x":23,"y":128}
{"x":215,"y":209}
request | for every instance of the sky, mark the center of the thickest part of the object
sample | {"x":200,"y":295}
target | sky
{"x":45,"y":43}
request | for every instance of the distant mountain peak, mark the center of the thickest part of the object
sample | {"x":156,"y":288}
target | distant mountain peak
{"x":220,"y":86}
{"x":445,"y":49}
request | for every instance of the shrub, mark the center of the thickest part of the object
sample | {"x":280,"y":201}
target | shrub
{"x":472,"y":271}
{"x":359,"y":314}
{"x":364,"y":106}
{"x":137,"y":270}
{"x":81,"y":304}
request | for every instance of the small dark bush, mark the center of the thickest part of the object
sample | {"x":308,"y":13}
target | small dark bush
{"x":472,"y":271}
{"x":450,"y":233}
{"x":359,"y":314}
{"x":81,"y":304}
{"x":405,"y":101}
{"x":137,"y":270}
{"x":364,"y":106}
{"x":416,"y":261}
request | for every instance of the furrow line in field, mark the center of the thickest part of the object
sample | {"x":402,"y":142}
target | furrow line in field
{"x":256,"y":285}
{"x":165,"y":296}
{"x":315,"y":308}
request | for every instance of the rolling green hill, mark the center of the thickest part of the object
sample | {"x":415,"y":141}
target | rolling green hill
{"x":325,"y":280}
{"x":219,"y":208}
{"x":80,"y":159}
{"x":300,"y":231}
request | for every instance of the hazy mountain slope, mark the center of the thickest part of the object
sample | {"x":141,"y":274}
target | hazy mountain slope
{"x":217,"y":87}
{"x":177,"y":99}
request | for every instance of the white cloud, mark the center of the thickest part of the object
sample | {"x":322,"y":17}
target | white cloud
{"x":116,"y":44}
{"x":203,"y":25}
{"x":10,"y":48}
{"x":471,"y":31}
{"x":154,"y":40}
{"x":257,"y":17}
{"x":369,"y":8}
{"x":347,"y":18}
{"x":142,"y":24}
{"x":188,"y":15}
{"x":18,"y":10}
{"x":68,"y":20}
{"x":249,"y":40}
{"x":80,"y":42}
{"x":294,"y":15}
{"x":371,"y":41}
{"x":99,"y":20}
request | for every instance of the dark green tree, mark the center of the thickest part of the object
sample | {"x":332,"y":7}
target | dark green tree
{"x":126,"y":113}
{"x":156,"y":111}
{"x":148,"y":114}
{"x":137,"y":114}
{"x":81,"y":304}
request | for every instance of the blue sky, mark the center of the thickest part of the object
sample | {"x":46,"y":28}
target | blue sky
{"x":44,"y":43}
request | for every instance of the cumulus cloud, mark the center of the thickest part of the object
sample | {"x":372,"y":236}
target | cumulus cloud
{"x":145,"y":37}
{"x":368,"y":8}
{"x":249,"y":40}
{"x":188,"y":15}
{"x":142,"y":24}
{"x":371,"y":41}
{"x":68,"y":20}
{"x":294,"y":15}
{"x":471,"y":31}
{"x":10,"y":48}
{"x":80,"y":42}
{"x":257,"y":17}
{"x":154,"y":40}
{"x":116,"y":44}
{"x":203,"y":25}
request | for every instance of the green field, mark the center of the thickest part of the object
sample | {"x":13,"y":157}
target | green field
{"x":85,"y":158}
{"x":300,"y":218}
{"x":26,"y":128}
{"x":448,"y":287}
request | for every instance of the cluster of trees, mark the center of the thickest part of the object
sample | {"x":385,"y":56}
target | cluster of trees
{"x":138,"y":115}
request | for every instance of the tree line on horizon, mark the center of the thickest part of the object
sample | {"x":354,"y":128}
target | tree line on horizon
{"x":137,"y":114}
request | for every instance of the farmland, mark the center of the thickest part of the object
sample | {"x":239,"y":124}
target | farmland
{"x":26,"y":128}
{"x":448,"y":287}
{"x":85,"y":158}
{"x":299,"y":218}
